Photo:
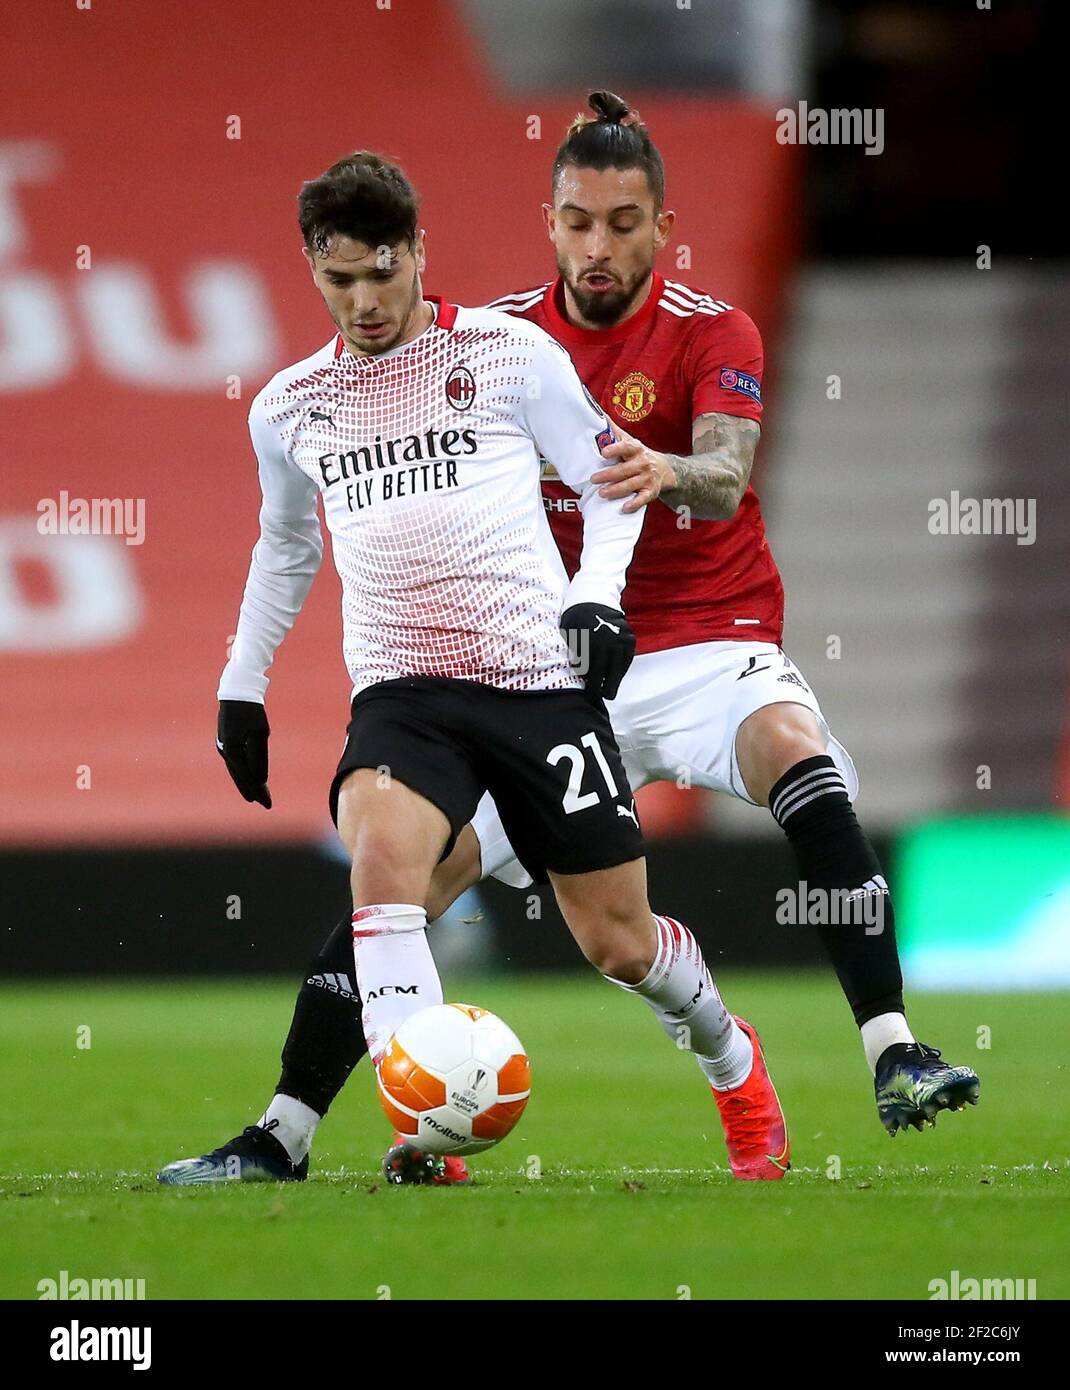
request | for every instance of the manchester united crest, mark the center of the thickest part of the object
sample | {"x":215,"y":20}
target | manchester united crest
{"x":634,"y":397}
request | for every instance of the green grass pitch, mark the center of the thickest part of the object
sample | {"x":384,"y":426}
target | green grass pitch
{"x":633,"y":1199}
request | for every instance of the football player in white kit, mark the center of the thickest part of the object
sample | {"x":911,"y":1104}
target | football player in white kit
{"x":421,"y":427}
{"x":711,"y":692}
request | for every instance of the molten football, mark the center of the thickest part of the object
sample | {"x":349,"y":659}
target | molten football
{"x":454,"y":1079}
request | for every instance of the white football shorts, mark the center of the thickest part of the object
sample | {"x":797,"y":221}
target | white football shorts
{"x":676,"y":717}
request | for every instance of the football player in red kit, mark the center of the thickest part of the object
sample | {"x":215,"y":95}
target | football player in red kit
{"x":711,"y":694}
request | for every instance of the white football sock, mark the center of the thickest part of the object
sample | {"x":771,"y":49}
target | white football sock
{"x":680,"y":990}
{"x":881,"y":1032}
{"x":293,"y":1123}
{"x":396,"y":973}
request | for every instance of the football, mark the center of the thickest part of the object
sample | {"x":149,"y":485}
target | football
{"x":454,"y":1079}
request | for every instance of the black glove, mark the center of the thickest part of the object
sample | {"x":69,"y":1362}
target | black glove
{"x":242,"y":739}
{"x":601,"y":646}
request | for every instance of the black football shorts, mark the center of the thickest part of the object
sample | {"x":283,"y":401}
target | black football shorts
{"x":548,"y":758}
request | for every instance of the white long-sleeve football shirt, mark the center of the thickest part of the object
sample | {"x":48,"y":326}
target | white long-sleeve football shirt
{"x":427,"y":458}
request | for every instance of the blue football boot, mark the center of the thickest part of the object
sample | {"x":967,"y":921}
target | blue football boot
{"x":254,"y":1156}
{"x":913,"y":1085}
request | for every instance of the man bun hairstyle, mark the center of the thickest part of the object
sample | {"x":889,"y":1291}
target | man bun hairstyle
{"x":361,"y":196}
{"x":613,"y":138}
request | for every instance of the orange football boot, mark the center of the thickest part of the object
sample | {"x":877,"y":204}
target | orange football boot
{"x":404,"y":1164}
{"x":755,"y":1131}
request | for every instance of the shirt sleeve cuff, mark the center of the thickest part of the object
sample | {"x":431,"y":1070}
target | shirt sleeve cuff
{"x":236,"y":684}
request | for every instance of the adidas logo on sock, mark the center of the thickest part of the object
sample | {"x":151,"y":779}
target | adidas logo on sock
{"x":336,"y":984}
{"x":874,"y":887}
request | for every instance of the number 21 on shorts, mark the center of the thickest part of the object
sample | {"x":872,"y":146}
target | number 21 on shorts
{"x":574,"y":799}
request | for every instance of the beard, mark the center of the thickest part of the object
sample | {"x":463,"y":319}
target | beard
{"x":381,"y":345}
{"x":605,"y":307}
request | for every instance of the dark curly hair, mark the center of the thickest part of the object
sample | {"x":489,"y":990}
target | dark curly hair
{"x":362,"y":196}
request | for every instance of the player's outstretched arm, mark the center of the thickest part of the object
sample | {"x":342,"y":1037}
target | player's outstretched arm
{"x":711,"y":482}
{"x":569,"y":429}
{"x":284,"y":563}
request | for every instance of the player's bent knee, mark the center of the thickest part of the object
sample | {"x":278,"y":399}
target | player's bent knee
{"x":618,"y":945}
{"x":791,"y":748}
{"x":629,"y":967}
{"x":609,"y":916}
{"x":394,"y":839}
{"x":374,"y":846}
{"x":771,"y":741}
{"x":455,"y":875}
{"x":387,"y":868}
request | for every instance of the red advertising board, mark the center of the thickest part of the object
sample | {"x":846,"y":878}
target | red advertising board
{"x":151,"y":281}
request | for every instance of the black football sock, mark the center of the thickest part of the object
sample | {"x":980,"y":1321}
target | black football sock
{"x":811,"y":805}
{"x":326,"y":1039}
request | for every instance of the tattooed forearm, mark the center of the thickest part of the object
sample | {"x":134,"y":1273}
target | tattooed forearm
{"x":712,"y":481}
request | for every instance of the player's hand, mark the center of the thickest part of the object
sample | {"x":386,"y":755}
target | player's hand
{"x":636,"y":472}
{"x":601,"y":646}
{"x":242,"y":740}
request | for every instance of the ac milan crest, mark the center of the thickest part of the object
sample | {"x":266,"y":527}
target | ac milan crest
{"x":460,"y":388}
